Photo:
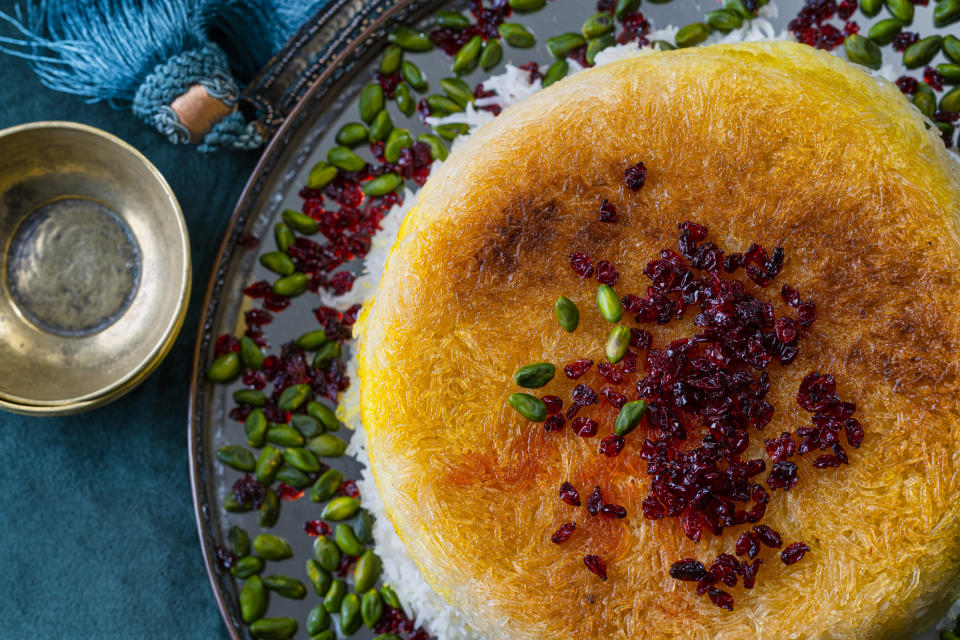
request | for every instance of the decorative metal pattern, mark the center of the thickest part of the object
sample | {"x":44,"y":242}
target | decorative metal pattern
{"x":295,"y":70}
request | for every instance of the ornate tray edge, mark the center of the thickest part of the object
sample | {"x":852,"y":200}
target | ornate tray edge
{"x":367,"y":21}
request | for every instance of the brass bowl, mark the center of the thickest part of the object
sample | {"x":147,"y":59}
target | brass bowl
{"x":94,"y":271}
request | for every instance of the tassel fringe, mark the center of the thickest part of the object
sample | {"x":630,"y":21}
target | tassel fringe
{"x":102,"y":50}
{"x":145,"y":53}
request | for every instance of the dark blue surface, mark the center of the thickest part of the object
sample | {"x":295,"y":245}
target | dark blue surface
{"x":98,"y":534}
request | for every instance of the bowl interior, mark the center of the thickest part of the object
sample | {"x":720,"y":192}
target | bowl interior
{"x":95,"y":264}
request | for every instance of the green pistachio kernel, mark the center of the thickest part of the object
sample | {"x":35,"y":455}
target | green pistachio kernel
{"x":692,"y":34}
{"x":372,"y":101}
{"x":491,"y":55}
{"x":530,"y":407}
{"x":617,"y":344}
{"x":561,"y":46}
{"x":566,"y":313}
{"x":517,"y":35}
{"x":629,"y":417}
{"x":534,"y":376}
{"x":609,"y":303}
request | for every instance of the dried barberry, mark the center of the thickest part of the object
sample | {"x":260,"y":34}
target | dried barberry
{"x":247,"y":490}
{"x":287,"y":493}
{"x":584,"y":395}
{"x":348,"y":488}
{"x":908,"y":85}
{"x":569,"y":494}
{"x":553,"y":404}
{"x":341,"y":282}
{"x":608,"y":212}
{"x":748,"y":544}
{"x":225,"y":557}
{"x":275,"y":302}
{"x":611,"y":446}
{"x":826,"y":461}
{"x":240,"y":414}
{"x":226,"y":343}
{"x":606,"y":274}
{"x":688,"y":569}
{"x":725,"y":569}
{"x":854,"y":432}
{"x":780,"y":448}
{"x":635,"y":176}
{"x":904,"y":39}
{"x":652,"y":509}
{"x":768,"y":536}
{"x":533,"y":71}
{"x":704,"y":584}
{"x":615,"y":399}
{"x":247,"y":240}
{"x":750,"y":572}
{"x":614,"y":511}
{"x":692,"y":525}
{"x":817,"y":392}
{"x":258,"y":289}
{"x":630,"y":362}
{"x":257,"y":317}
{"x":563,"y":533}
{"x":933,"y":78}
{"x":635,"y":28}
{"x":631,"y":303}
{"x":584,"y":427}
{"x":581,"y":264}
{"x":253,"y":379}
{"x":610,"y":373}
{"x":640,"y":338}
{"x":595,"y":501}
{"x":794,"y":553}
{"x":783,"y":476}
{"x":596,"y":566}
{"x":721,"y":598}
{"x":577,"y":368}
{"x":316,"y":528}
{"x":554,"y":423}
{"x":841,"y":455}
{"x":343,"y":567}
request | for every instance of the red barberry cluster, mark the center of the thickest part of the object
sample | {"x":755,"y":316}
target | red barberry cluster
{"x":487,"y":19}
{"x":811,"y":25}
{"x":715,"y":383}
{"x":396,"y":621}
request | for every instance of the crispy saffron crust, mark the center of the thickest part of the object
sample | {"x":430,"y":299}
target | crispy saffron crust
{"x":768,"y":142}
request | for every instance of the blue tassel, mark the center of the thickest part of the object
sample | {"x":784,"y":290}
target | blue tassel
{"x":146,"y":53}
{"x":102,"y":49}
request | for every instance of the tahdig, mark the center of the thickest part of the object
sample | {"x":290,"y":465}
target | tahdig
{"x":769,"y":142}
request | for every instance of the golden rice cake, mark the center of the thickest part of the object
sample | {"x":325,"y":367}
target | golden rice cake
{"x":770,"y":142}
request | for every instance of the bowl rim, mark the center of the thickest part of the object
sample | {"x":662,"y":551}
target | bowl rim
{"x":151,"y":360}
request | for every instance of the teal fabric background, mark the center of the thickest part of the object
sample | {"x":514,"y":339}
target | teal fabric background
{"x":98,"y":537}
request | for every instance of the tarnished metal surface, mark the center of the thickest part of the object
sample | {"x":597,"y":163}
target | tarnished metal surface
{"x":95,"y":268}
